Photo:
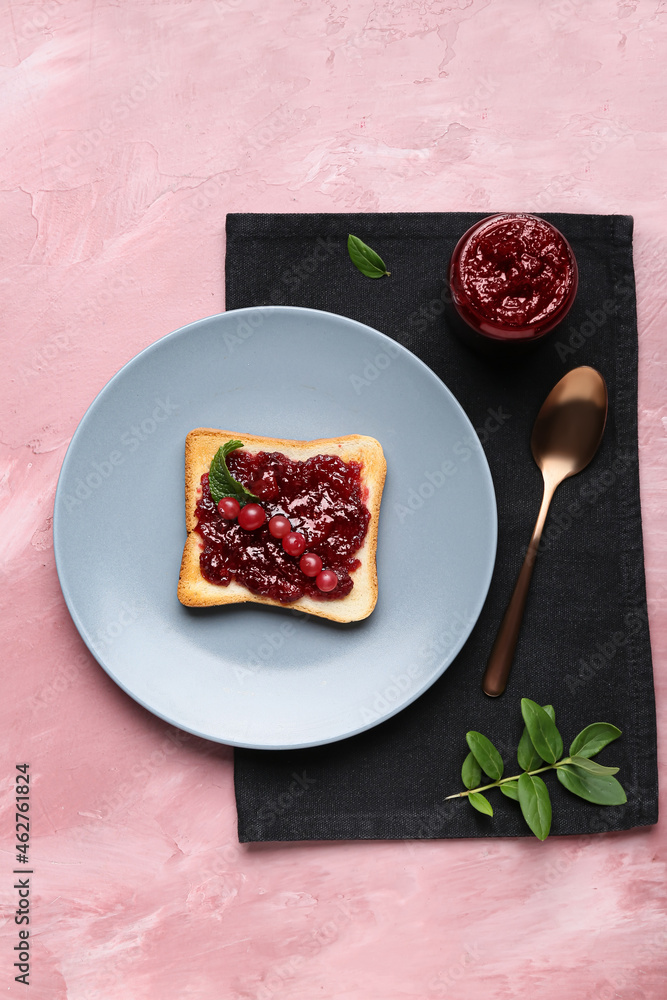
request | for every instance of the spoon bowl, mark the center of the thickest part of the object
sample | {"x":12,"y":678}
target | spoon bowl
{"x":569,"y":427}
{"x":566,"y":435}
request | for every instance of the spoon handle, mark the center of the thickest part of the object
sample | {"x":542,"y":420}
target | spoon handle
{"x":498,"y":668}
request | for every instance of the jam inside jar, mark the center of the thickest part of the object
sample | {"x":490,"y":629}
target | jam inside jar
{"x":512,"y":279}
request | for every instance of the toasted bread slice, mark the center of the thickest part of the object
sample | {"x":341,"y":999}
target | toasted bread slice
{"x":200,"y":447}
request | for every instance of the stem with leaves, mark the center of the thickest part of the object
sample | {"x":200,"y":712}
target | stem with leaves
{"x":540,"y":749}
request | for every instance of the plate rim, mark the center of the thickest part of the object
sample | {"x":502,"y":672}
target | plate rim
{"x":185,"y":331}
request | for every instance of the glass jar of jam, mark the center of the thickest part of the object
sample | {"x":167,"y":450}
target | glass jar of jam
{"x":512,"y":279}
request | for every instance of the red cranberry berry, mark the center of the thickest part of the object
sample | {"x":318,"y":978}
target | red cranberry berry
{"x":310,"y":564}
{"x":229,"y":508}
{"x":327,"y":581}
{"x":294,"y":543}
{"x":252,"y":517}
{"x":279,"y":526}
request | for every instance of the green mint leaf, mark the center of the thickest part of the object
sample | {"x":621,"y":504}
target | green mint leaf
{"x":511,"y":790}
{"x":602,"y":789}
{"x":365,"y":259}
{"x":535,"y":804}
{"x":220,"y":480}
{"x":592,"y":766}
{"x":486,"y":755}
{"x":471,"y":772}
{"x":593,"y":738}
{"x":526,"y":754}
{"x":480,"y":803}
{"x":542,"y":730}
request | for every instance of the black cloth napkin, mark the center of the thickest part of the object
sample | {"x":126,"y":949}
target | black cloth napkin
{"x":584,"y":646}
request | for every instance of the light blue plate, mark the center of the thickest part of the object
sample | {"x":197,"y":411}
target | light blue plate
{"x":257,"y":676}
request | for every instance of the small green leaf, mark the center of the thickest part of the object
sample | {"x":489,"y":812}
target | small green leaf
{"x":365,"y":259}
{"x":220,"y":480}
{"x":486,"y":755}
{"x":593,"y":738}
{"x":526,"y":754}
{"x":535,"y":804}
{"x":471,"y":772}
{"x":602,"y":789}
{"x":480,"y":803}
{"x":542,"y":730}
{"x":592,"y":766}
{"x":510,"y":790}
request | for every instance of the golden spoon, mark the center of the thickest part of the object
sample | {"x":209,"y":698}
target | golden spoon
{"x":566,"y":436}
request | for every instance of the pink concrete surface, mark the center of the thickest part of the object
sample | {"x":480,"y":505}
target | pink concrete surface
{"x":128,"y":131}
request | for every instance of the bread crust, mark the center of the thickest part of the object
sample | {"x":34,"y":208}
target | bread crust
{"x":201,"y":445}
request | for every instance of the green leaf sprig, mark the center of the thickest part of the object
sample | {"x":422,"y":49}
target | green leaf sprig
{"x":540,"y":749}
{"x":365,"y":259}
{"x":220,"y":480}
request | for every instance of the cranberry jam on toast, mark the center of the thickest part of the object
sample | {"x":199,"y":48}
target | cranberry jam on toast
{"x":287,"y":523}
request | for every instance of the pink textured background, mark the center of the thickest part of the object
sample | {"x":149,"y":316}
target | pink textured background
{"x":128,"y":131}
